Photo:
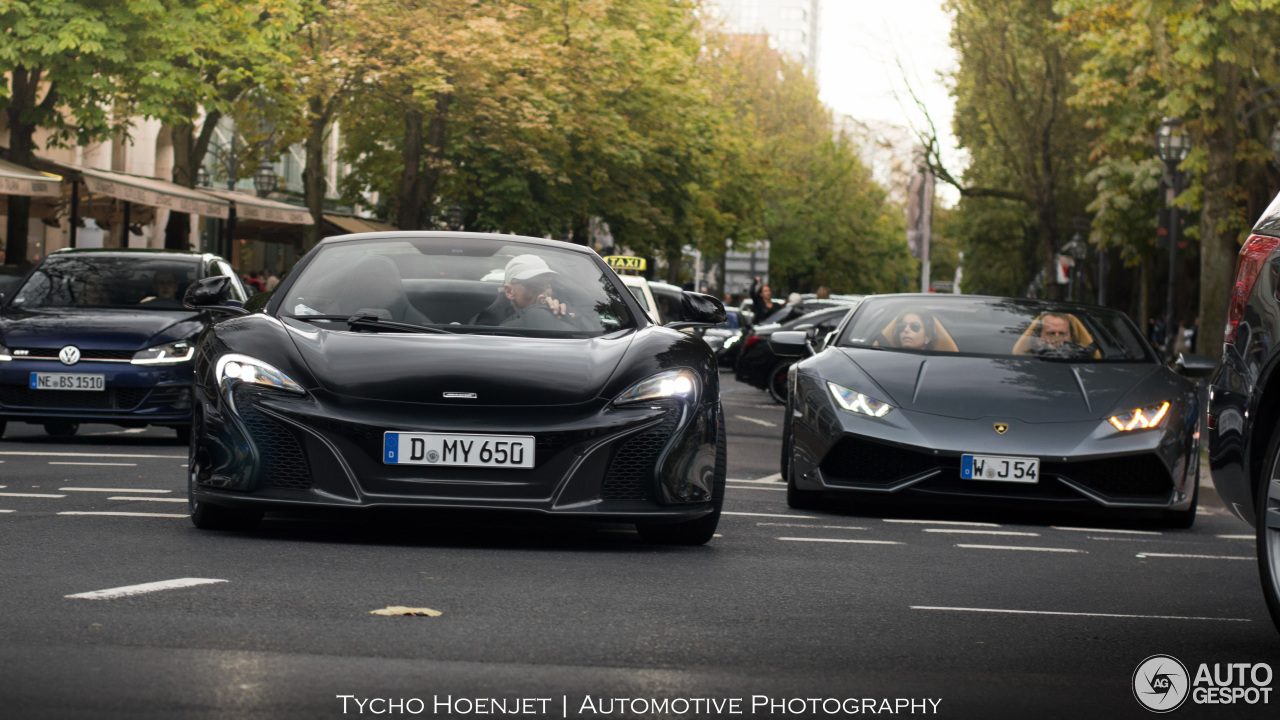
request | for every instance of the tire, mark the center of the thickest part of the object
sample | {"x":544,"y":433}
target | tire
{"x":61,"y":429}
{"x":784,"y":463}
{"x":778,"y":382}
{"x":2,"y":424}
{"x":701,"y":530}
{"x":213,"y":517}
{"x":1267,"y":523}
{"x":797,"y":499}
{"x":1184,"y":519}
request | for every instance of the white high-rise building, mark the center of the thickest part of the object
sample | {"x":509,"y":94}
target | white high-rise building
{"x":792,"y":25}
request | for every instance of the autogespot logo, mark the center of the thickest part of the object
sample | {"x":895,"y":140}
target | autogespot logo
{"x":1160,"y":683}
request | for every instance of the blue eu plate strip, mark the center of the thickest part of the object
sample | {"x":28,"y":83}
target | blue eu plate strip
{"x":33,"y":381}
{"x":392,"y":442}
{"x":966,"y":467}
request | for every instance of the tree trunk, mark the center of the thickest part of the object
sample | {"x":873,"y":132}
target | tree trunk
{"x":437,"y":135}
{"x":23,"y":89}
{"x":409,"y":214}
{"x":313,"y":180}
{"x":188,"y":155}
{"x":1218,"y":245}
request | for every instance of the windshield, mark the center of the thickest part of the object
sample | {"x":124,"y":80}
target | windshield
{"x":137,"y":282}
{"x":461,"y":285}
{"x":996,"y":327}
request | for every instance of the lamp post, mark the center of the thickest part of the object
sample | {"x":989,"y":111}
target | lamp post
{"x":264,"y":180}
{"x":1172,"y":145}
{"x":454,"y":216}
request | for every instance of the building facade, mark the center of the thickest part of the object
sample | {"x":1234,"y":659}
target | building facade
{"x":792,"y":25}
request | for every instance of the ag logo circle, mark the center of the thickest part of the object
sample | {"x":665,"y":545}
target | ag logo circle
{"x":1161,"y":683}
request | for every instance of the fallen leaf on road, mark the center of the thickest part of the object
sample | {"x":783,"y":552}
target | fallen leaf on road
{"x":402,"y":610}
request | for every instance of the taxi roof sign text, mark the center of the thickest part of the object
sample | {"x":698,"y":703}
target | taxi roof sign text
{"x":624,"y":262}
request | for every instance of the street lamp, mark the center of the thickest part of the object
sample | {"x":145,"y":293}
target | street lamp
{"x":203,"y":179}
{"x":264,"y":180}
{"x":1173,"y":146}
{"x":453,"y":217}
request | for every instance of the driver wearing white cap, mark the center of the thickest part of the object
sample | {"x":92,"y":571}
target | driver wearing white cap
{"x":526,"y":283}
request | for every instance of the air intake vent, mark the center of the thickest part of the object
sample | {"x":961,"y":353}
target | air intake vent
{"x":284,"y":465}
{"x":630,"y":473}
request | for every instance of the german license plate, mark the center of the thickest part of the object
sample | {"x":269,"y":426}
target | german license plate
{"x":500,"y":451}
{"x":1000,"y":468}
{"x":67,"y":381}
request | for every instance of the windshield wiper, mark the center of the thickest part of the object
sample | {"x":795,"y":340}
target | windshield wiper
{"x":372,"y":321}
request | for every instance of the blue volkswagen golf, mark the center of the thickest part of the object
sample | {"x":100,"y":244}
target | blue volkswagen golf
{"x":102,"y":336}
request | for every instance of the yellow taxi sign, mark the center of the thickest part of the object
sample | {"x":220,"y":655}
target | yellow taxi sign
{"x":625,"y":262}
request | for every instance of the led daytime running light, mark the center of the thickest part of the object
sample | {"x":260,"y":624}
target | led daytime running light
{"x":1140,"y":419}
{"x":856,"y":402}
{"x":242,"y":368}
{"x":672,"y":383}
{"x":5,"y":356}
{"x":167,"y":354}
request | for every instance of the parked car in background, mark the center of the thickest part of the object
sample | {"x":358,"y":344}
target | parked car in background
{"x":669,"y":299}
{"x":758,"y":365}
{"x":101,"y":336}
{"x":1244,"y":401}
{"x":726,"y":338}
{"x":10,"y":276}
{"x":993,"y":401}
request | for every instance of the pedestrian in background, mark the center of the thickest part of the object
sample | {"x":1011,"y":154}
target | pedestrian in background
{"x":762,"y":300}
{"x":271,"y":282}
{"x":823,"y":292}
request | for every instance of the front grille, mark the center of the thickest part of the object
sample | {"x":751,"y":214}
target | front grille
{"x":856,"y":461}
{"x":178,"y":397}
{"x":109,"y":399}
{"x":284,"y":465}
{"x":86,"y":354}
{"x":1133,"y":477}
{"x":631,"y":469}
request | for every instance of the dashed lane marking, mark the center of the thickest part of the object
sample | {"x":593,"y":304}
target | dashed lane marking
{"x":131,"y":431}
{"x":6,"y":511}
{"x":1106,"y":530}
{"x":31,"y":495}
{"x":95,"y":464}
{"x":765,"y":423}
{"x":1238,"y":537}
{"x":1075,"y":614}
{"x":127,"y":590}
{"x":91,"y":455}
{"x":962,"y":531}
{"x":115,"y":490}
{"x":941,"y":522}
{"x":127,"y":514}
{"x":1020,"y":547}
{"x":148,"y":499}
{"x":841,"y":540}
{"x":756,"y":487}
{"x":1196,"y":557}
{"x":776,"y":477}
{"x":774,"y":515}
{"x":815,"y":527}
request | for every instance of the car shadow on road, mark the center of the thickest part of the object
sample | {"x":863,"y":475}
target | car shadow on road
{"x":1116,"y":519}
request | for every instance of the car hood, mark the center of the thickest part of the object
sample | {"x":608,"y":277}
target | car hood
{"x":1029,"y":389}
{"x":421,"y":368}
{"x":98,"y":329}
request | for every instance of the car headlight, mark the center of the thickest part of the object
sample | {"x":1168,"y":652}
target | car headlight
{"x":5,"y":355}
{"x":856,"y":402}
{"x":234,"y":368}
{"x":672,"y":383}
{"x":167,"y":354}
{"x":1141,"y":419}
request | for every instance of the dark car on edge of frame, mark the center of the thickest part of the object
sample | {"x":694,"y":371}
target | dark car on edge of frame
{"x":101,"y":336}
{"x":1001,"y":405}
{"x":1244,"y":401}
{"x":759,"y":366}
{"x":457,"y":370}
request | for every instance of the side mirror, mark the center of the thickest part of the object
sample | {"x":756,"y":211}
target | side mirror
{"x":213,"y":293}
{"x":699,"y":310}
{"x":1195,"y":366}
{"x":789,"y":343}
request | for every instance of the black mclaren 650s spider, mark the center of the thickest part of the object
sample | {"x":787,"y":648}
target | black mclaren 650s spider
{"x":456,"y":370}
{"x":994,"y":400}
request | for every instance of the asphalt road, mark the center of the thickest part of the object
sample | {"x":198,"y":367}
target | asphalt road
{"x":989,"y":615}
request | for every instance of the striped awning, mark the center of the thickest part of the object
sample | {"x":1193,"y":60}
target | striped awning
{"x":149,"y":191}
{"x":251,"y":207}
{"x":18,"y":180}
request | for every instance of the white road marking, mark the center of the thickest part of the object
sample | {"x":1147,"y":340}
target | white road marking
{"x":777,"y":515}
{"x":119,"y":592}
{"x":1075,"y":614}
{"x":95,"y":464}
{"x":1106,"y":530}
{"x":980,"y":532}
{"x":37,"y":495}
{"x":1196,"y":557}
{"x":1020,"y":547}
{"x":776,"y":477}
{"x":123,"y":490}
{"x":942,"y":522}
{"x":5,"y":511}
{"x":816,"y":527}
{"x":127,"y":514}
{"x":90,"y":455}
{"x":765,"y":423}
{"x":1224,"y":537}
{"x":147,"y":499}
{"x":753,"y":487}
{"x":131,"y":431}
{"x":842,"y":540}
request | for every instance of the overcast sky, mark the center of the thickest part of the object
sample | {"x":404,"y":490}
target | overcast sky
{"x":863,"y":42}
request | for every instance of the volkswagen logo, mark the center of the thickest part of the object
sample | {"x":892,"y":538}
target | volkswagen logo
{"x":69,"y":355}
{"x":1161,"y":683}
{"x":1001,"y":428}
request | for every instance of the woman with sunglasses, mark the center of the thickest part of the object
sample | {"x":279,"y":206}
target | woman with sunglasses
{"x":914,"y":331}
